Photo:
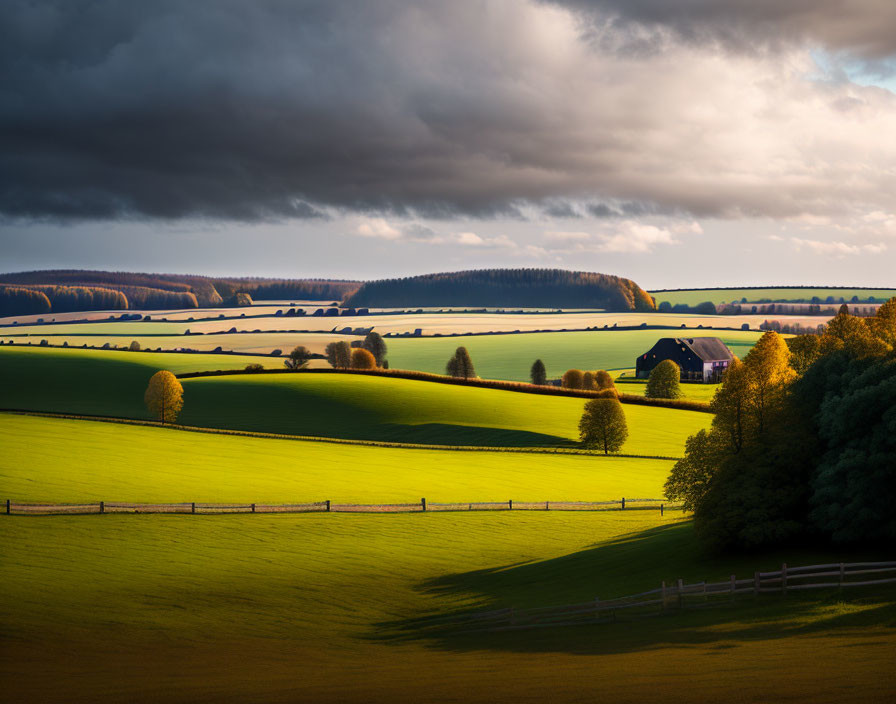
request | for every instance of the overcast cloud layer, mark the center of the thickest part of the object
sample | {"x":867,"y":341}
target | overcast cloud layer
{"x":251,"y":110}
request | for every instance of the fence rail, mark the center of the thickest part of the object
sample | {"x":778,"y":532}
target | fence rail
{"x":103,"y":507}
{"x":670,"y":596}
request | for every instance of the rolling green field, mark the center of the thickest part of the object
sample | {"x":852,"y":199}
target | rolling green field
{"x":321,"y":608}
{"x":52,"y":459}
{"x":790,"y":295}
{"x":511,"y":356}
{"x":340,"y":406}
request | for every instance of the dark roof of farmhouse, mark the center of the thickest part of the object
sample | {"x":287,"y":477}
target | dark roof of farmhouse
{"x":709,"y":349}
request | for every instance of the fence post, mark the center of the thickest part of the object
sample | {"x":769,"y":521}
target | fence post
{"x":102,"y":506}
{"x":623,"y":503}
{"x":7,"y":507}
{"x":423,"y":503}
{"x":253,"y":508}
{"x":661,"y":509}
{"x":510,"y":504}
{"x":546,"y":507}
{"x":784,"y":578}
{"x":755,"y":582}
{"x":193,"y":508}
{"x":328,"y":505}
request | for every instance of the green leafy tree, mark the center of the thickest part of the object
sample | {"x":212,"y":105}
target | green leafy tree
{"x":588,"y":383}
{"x":134,"y":346}
{"x":573,"y":379}
{"x":691,"y":476}
{"x":339,"y":354}
{"x":538,"y":373}
{"x":363,"y":359}
{"x":164,"y":397}
{"x":298,"y":358}
{"x":375,"y":344}
{"x":461,"y":365}
{"x":730,"y":406}
{"x":664,"y":381}
{"x":603,"y":425}
{"x":883,"y":324}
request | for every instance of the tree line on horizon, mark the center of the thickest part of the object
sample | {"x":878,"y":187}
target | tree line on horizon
{"x":535,"y":288}
{"x":155,"y":291}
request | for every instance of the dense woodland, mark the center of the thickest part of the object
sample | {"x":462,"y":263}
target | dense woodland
{"x":802,"y":445}
{"x":523,"y":288}
{"x":151,"y":291}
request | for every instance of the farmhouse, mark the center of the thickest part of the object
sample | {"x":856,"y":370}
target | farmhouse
{"x":702,"y":359}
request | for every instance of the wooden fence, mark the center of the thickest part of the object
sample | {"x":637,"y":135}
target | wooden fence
{"x":98,"y":507}
{"x":673,"y":596}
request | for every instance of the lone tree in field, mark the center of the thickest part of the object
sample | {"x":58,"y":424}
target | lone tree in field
{"x":363,"y":359}
{"x":134,"y":346}
{"x":573,"y":379}
{"x":374,"y":344}
{"x":603,"y":425}
{"x":339,"y":354}
{"x":664,"y":381}
{"x":460,"y":365}
{"x":538,"y":374}
{"x":164,"y":397}
{"x":298,"y":358}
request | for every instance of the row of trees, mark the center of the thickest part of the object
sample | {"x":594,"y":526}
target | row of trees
{"x":506,"y":287}
{"x":802,"y":444}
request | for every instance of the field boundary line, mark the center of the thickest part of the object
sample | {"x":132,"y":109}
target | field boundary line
{"x":337,"y":441}
{"x":29,"y":508}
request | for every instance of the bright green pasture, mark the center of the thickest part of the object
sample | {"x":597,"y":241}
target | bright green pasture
{"x":403,"y":410}
{"x":790,"y":295}
{"x":55,"y":459}
{"x":511,"y":356}
{"x":321,"y":608}
{"x":99,"y":382}
{"x":345,"y":406}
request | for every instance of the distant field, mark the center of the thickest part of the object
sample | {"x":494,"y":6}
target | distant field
{"x":355,"y":407}
{"x":251,"y":343}
{"x":427,"y":323}
{"x":495,"y":357}
{"x":317,"y":608}
{"x":796,"y":295}
{"x":511,"y":356}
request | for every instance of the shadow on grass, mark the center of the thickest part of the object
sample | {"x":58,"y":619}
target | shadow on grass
{"x":636,"y":563}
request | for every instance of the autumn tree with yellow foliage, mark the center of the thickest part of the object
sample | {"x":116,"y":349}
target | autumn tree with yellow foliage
{"x":164,"y":397}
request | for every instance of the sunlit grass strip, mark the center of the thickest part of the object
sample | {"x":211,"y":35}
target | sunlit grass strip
{"x":336,"y":441}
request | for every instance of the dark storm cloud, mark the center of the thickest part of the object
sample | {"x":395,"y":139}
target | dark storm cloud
{"x":864,"y":27}
{"x":254,"y":109}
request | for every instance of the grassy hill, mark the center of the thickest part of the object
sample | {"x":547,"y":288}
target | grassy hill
{"x":355,"y":407}
{"x":556,"y":288}
{"x":316,"y":608}
{"x":74,"y":460}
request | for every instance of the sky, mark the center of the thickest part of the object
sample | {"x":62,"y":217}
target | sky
{"x":676,"y":142}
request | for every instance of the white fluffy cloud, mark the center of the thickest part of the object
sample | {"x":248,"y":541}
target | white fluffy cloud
{"x":837,"y":248}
